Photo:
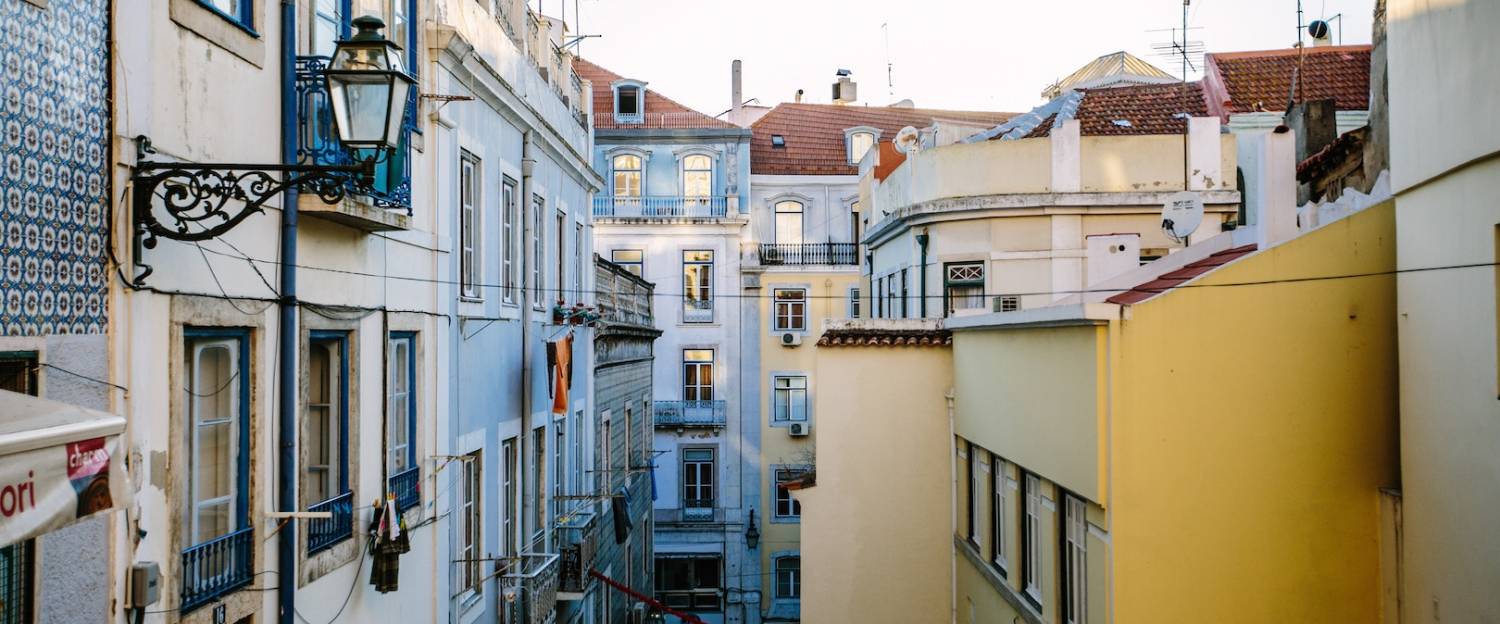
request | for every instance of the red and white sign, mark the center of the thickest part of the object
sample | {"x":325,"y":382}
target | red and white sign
{"x":52,"y":486}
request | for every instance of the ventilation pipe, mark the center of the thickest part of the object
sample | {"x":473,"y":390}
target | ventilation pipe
{"x":735,"y":91}
{"x":528,"y":221}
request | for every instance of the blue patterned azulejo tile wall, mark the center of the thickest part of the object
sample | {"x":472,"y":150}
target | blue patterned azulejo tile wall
{"x":54,"y":140}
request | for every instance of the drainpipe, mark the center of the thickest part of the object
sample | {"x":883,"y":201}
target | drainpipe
{"x":524,"y":446}
{"x":922,"y":275}
{"x":948,"y":398}
{"x":286,"y":443}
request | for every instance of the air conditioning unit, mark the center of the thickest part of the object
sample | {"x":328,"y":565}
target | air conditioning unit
{"x":798,"y":430}
{"x":791,"y":339}
{"x":638,"y":613}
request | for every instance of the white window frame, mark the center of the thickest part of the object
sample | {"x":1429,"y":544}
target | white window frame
{"x":790,"y":305}
{"x":1032,"y":537}
{"x":959,"y":275}
{"x":849,"y":138}
{"x":683,"y":171}
{"x":471,"y":539}
{"x":699,"y":487}
{"x":538,"y":250}
{"x":1000,"y":512}
{"x":638,"y":265}
{"x":511,"y":240}
{"x":780,"y":475}
{"x":471,"y":226}
{"x":975,"y":486}
{"x":197,"y":390}
{"x":510,"y":489}
{"x":706,"y":303}
{"x":853,"y":303}
{"x":1075,"y":554}
{"x":791,"y":392}
{"x":781,"y":235}
{"x":794,"y":578}
{"x":615,"y":170}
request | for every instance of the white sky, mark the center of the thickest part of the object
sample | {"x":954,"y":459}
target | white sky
{"x":962,"y":54}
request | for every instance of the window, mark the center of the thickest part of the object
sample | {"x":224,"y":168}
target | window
{"x":788,"y":223}
{"x":697,"y":286}
{"x":578,"y":266}
{"x":632,"y":260}
{"x":854,"y":302}
{"x":787,"y":506}
{"x":998,"y":515}
{"x":560,"y":276}
{"x":469,"y":234}
{"x":788,"y":578}
{"x":537,"y":251}
{"x":18,"y":560}
{"x":218,"y":402}
{"x":904,"y":313}
{"x":698,"y":375}
{"x":510,"y":505}
{"x":627,"y":175}
{"x":581,"y":468}
{"x":1031,"y":538}
{"x":791,"y":309}
{"x":697,"y":478}
{"x":538,"y":483}
{"x":237,"y":11}
{"x":471,"y":516}
{"x":854,"y":222}
{"x":401,"y":404}
{"x":18,"y":372}
{"x":974,"y":491}
{"x":559,"y":457}
{"x":778,"y":141}
{"x":327,"y":417}
{"x":879,"y":303}
{"x":963,"y":286}
{"x":697,"y":177}
{"x":629,"y":436}
{"x":607,"y":458}
{"x":328,"y":26}
{"x":859,"y":144}
{"x":691,"y":582}
{"x":510,"y":241}
{"x":1074,"y":561}
{"x":790,"y":399}
{"x":628,"y":101}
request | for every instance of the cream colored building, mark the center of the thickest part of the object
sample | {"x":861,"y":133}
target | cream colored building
{"x":1445,"y":173}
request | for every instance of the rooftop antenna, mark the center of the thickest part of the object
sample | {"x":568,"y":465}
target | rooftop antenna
{"x":890,"y":82}
{"x":1184,"y":50}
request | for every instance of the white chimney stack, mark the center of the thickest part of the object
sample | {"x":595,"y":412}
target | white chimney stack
{"x":1275,"y":197}
{"x":735,"y":92}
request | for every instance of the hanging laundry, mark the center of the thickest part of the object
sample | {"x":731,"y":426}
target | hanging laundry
{"x":388,"y":541}
{"x":560,"y":357}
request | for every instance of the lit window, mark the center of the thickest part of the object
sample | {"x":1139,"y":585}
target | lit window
{"x":627,"y":168}
{"x":698,"y":286}
{"x":859,"y":144}
{"x":698,"y":375}
{"x":791,"y":309}
{"x":789,"y":578}
{"x":790,"y":399}
{"x":697,"y":176}
{"x":631,"y":259}
{"x":788,"y":223}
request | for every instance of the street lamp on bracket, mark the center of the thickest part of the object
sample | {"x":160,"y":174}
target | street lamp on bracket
{"x":368,"y":91}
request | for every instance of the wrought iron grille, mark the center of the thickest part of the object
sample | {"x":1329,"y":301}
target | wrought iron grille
{"x":318,"y":141}
{"x":689,"y":413}
{"x":217,"y":567}
{"x":17,"y":562}
{"x":808,"y":253}
{"x":407,"y":486}
{"x":660,"y":206}
{"x":324,"y":533}
{"x":531,"y":587}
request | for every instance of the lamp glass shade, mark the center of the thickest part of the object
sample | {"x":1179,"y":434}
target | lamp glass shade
{"x":368,"y":88}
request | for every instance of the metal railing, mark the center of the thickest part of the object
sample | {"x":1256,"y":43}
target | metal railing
{"x":689,"y":413}
{"x":407,"y":486}
{"x":622,"y":297}
{"x":217,"y":567}
{"x":323,"y":533}
{"x":533,"y":579}
{"x":808,"y":253}
{"x":697,"y":310}
{"x":657,"y":121}
{"x":709,"y":599}
{"x":576,"y":533}
{"x":318,"y":141}
{"x":660,"y":206}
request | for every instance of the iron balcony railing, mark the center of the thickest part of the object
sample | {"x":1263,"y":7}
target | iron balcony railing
{"x":575,"y":533}
{"x":808,"y":253}
{"x":323,"y":533}
{"x":217,"y":567}
{"x":697,"y":310}
{"x":318,"y":141}
{"x":609,"y":120}
{"x":531,"y":582}
{"x":689,"y":413}
{"x":708,"y":599}
{"x":407,"y":486}
{"x":660,"y":206}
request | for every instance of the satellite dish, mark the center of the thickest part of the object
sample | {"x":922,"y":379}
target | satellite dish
{"x":1318,"y":29}
{"x":1181,"y":215}
{"x":908,"y":140}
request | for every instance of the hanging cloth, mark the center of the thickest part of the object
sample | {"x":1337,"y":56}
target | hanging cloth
{"x":560,"y":353}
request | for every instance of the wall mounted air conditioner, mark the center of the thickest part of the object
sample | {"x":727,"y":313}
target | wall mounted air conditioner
{"x":798,"y":430}
{"x":791,"y":339}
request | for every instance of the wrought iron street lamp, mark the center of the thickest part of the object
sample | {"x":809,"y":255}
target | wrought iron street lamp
{"x":368,"y":89}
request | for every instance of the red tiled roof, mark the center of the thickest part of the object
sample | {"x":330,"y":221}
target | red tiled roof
{"x":859,"y":337}
{"x":814,"y":134}
{"x":1245,"y":82}
{"x":1332,"y":155}
{"x":660,"y":111}
{"x":1172,"y":279}
{"x":1148,"y":109}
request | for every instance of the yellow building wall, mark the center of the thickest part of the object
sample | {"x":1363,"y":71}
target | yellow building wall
{"x":827,"y":299}
{"x":877,"y":541}
{"x":1253,"y":427}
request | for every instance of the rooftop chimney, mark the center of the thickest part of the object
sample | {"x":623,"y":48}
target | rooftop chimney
{"x":735,"y":91}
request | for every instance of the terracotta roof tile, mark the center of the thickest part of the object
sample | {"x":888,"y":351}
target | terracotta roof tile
{"x":1172,"y":279}
{"x":1143,"y":109}
{"x":859,"y":337}
{"x":1262,"y":80}
{"x":814,"y":134}
{"x":660,"y":111}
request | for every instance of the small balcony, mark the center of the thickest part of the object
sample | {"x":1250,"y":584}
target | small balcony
{"x":217,"y":567}
{"x":530,"y":588}
{"x":605,"y":120}
{"x":324,"y":533}
{"x":388,"y":206}
{"x":407,"y":486}
{"x":697,"y":510}
{"x":706,"y":599}
{"x":682,"y":414}
{"x":796,"y":254}
{"x":575,"y":533}
{"x":661,"y":206}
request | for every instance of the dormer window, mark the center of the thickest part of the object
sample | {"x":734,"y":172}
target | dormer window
{"x":630,"y":101}
{"x":858,"y":141}
{"x":778,"y":141}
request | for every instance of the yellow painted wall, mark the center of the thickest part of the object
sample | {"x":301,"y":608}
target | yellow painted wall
{"x":1252,"y":429}
{"x":876,"y":529}
{"x":827,"y":299}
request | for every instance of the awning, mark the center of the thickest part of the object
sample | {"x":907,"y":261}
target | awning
{"x":59,"y":463}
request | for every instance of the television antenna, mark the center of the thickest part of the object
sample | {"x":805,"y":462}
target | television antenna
{"x":890,"y":81}
{"x":1186,"y":50}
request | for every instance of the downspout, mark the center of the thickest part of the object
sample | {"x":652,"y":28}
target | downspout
{"x":922,"y":274}
{"x":286,"y":556}
{"x":523,"y":449}
{"x":952,"y":509}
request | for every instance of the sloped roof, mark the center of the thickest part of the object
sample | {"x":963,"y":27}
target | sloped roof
{"x":868,"y":337}
{"x":1172,"y":279}
{"x":1114,"y":111}
{"x":1261,"y":80}
{"x":814,"y":134}
{"x":660,"y":111}
{"x":1117,"y":69}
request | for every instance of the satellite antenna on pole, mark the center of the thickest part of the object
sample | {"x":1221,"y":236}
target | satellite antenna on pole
{"x":1181,"y":215}
{"x":908,"y":140}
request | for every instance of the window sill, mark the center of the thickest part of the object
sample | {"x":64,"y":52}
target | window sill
{"x":222,"y":30}
{"x":786,"y":519}
{"x":1029,"y":613}
{"x":786,"y":424}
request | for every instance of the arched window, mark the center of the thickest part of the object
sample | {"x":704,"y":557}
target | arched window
{"x":697,"y":176}
{"x":788,"y":222}
{"x":627,"y":169}
{"x":859,"y":143}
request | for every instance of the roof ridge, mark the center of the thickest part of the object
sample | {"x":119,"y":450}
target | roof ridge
{"x":1353,"y":47}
